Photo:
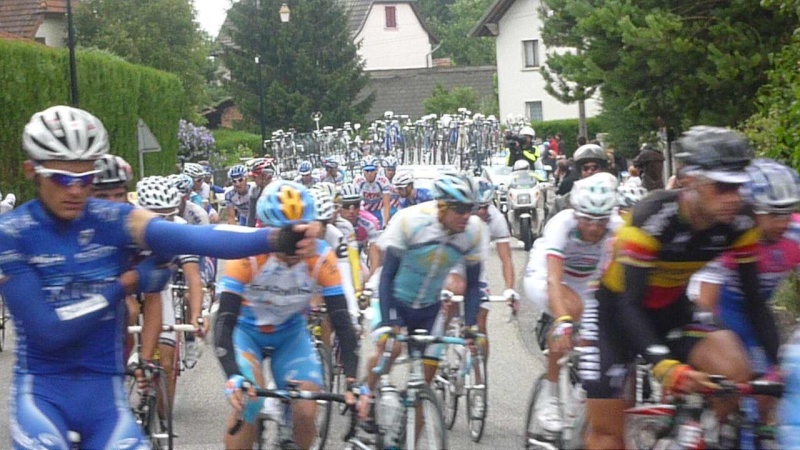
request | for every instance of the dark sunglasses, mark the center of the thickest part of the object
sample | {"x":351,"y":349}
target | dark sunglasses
{"x":590,"y":167}
{"x":461,"y":208}
{"x":351,"y":205}
{"x":237,"y":180}
{"x":66,"y":179}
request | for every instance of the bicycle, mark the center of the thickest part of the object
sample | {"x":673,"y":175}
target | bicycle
{"x":392,"y":406}
{"x":5,"y":319}
{"x":315,"y":326}
{"x":149,"y":400}
{"x":462,"y":374}
{"x":688,"y":422}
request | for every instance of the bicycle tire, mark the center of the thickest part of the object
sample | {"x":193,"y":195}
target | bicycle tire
{"x":448,"y":383}
{"x":477,"y":422}
{"x":160,"y":426}
{"x":531,"y":430}
{"x":434,"y":425}
{"x":323,"y":419}
{"x":4,"y":319}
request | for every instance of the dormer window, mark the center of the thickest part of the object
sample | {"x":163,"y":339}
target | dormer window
{"x":391,"y":16}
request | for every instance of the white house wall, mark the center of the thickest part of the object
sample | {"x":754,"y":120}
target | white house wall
{"x":517,"y":84}
{"x":54,"y":32}
{"x":405,"y":47}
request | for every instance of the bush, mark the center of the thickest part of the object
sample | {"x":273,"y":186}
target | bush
{"x":34,"y":77}
{"x":443,"y":101}
{"x":568,"y":128}
{"x":232,"y":145}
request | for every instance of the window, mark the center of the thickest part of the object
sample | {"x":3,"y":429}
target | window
{"x":391,"y":16}
{"x":535,"y":113}
{"x":531,"y":49}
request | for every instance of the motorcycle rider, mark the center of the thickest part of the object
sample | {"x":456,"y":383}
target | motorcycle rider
{"x":521,"y":147}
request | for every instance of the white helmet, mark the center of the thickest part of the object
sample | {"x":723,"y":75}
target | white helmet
{"x":64,"y":133}
{"x":323,"y":204}
{"x":527,"y":131}
{"x":194,"y":170}
{"x":595,"y":196}
{"x":773,"y":187}
{"x":351,"y":193}
{"x":113,"y":171}
{"x":328,"y":188}
{"x":403,"y":179}
{"x":628,"y":195}
{"x":157,"y":193}
{"x":521,"y":165}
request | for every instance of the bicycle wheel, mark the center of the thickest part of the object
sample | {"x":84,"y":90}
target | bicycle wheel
{"x":449,"y":384}
{"x":431,"y":434}
{"x":323,"y":407}
{"x":4,"y":319}
{"x":159,"y":421}
{"x":477,"y":399}
{"x":534,"y":436}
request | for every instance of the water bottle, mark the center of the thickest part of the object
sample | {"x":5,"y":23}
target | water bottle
{"x":789,"y":408}
{"x":391,"y":415}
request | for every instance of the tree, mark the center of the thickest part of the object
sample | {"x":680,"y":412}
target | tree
{"x":566,"y":76}
{"x":679,"y":63}
{"x":443,"y":101}
{"x":453,"y":28}
{"x":157,"y":33}
{"x":309,"y":64}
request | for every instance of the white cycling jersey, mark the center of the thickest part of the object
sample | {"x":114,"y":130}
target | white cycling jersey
{"x":496,"y":231}
{"x":239,"y":201}
{"x":581,"y":259}
{"x":194,"y":214}
{"x":338,"y":242}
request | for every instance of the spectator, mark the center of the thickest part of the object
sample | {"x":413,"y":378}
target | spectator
{"x":562,"y":170}
{"x":633,"y":177}
{"x":650,"y":163}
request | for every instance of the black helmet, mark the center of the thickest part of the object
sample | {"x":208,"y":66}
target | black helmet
{"x":722,"y":154}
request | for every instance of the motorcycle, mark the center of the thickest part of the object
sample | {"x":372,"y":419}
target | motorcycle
{"x":525,"y":208}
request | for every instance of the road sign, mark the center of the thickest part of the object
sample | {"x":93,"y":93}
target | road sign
{"x":147,"y":144}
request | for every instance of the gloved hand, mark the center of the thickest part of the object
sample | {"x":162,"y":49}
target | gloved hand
{"x":285,"y":240}
{"x":154,"y":273}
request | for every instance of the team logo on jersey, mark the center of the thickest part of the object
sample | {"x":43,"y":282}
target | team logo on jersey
{"x":85,"y":236}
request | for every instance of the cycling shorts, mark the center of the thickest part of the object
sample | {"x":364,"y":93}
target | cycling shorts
{"x":605,"y":356}
{"x":735,"y":318}
{"x":96,"y":408}
{"x":536,"y":291}
{"x":430,"y":319}
{"x":293,"y":357}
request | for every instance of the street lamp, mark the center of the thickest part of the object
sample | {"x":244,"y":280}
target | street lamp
{"x":285,"y":13}
{"x":73,"y":69}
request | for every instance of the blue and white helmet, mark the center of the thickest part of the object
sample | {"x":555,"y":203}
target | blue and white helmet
{"x":773,"y":187}
{"x":594,"y":196}
{"x":237,"y":171}
{"x":285,"y":203}
{"x":454,"y":187}
{"x":182,"y":182}
{"x":305,"y":168}
{"x":389,"y":162}
{"x":369,"y":163}
{"x":485,"y":191}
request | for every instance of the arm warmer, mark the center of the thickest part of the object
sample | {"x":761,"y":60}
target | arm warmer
{"x":347,"y":286}
{"x":343,"y":326}
{"x":219,"y":241}
{"x":227,"y":316}
{"x":53,"y":328}
{"x":472,"y":296}
{"x":759,"y":311}
{"x":391,"y":262}
{"x":635,"y":324}
{"x":217,"y":189}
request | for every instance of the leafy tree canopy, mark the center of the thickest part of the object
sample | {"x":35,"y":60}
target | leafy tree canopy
{"x":157,"y":33}
{"x":443,"y":101}
{"x":309,"y":64}
{"x":452,"y":26}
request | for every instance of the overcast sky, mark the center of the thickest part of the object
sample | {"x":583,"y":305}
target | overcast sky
{"x":211,"y":14}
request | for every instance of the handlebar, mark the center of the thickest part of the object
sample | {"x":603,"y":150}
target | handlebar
{"x":135,"y":329}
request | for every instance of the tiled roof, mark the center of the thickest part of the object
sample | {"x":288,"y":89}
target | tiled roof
{"x":358,"y":10}
{"x":404,"y":91}
{"x":23,"y":17}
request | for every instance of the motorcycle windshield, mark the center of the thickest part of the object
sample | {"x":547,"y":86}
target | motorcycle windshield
{"x":523,"y":182}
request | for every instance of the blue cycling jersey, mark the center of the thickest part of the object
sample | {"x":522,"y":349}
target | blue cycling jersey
{"x":421,"y":195}
{"x":69,"y":264}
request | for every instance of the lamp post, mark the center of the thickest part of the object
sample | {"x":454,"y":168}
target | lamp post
{"x":73,"y":69}
{"x":285,"y":13}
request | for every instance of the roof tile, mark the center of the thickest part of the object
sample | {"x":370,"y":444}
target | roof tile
{"x":23,"y":17}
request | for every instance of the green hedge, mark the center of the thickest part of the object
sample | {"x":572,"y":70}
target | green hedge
{"x":34,"y":77}
{"x":232,"y":144}
{"x":568,"y":128}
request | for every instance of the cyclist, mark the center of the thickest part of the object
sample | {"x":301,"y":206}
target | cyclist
{"x":409,"y":195}
{"x":562,"y":267}
{"x":588,"y":160}
{"x":332,"y":173}
{"x":8,"y":203}
{"x":200,"y":190}
{"x":65,"y":272}
{"x":365,"y":225}
{"x":237,"y":199}
{"x":189,"y":211}
{"x":325,"y":211}
{"x":496,"y":230}
{"x":305,"y":176}
{"x":263,"y":172}
{"x":374,"y":190}
{"x":389,"y":165}
{"x":641,"y":306}
{"x":262,"y":304}
{"x":421,"y":245}
{"x":774,"y":194}
{"x":111,"y":181}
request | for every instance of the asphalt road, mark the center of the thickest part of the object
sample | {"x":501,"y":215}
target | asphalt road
{"x":201,"y":408}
